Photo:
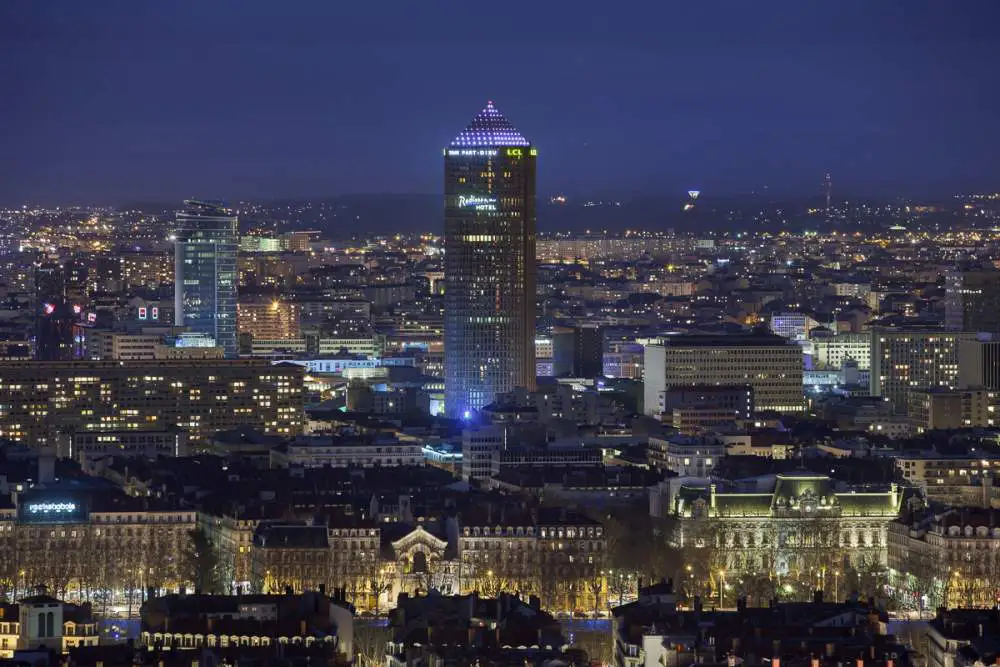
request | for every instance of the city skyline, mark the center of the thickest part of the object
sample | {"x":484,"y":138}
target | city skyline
{"x":736,"y":100}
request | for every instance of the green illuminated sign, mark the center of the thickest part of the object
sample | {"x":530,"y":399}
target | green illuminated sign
{"x":514,"y":152}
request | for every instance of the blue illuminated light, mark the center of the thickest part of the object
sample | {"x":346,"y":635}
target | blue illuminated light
{"x":490,"y":128}
{"x":51,"y":508}
{"x":467,"y":415}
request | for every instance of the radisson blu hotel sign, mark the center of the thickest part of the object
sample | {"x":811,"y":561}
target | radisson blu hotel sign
{"x":40,"y":508}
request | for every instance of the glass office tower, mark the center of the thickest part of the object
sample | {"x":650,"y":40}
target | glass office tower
{"x":205,"y":272}
{"x":489,"y":320}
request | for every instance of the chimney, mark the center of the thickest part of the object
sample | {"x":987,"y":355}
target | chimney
{"x":302,"y":628}
{"x":860,"y":662}
{"x":814,"y":662}
{"x":775,"y":662}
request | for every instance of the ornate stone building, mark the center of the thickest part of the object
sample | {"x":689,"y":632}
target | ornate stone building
{"x":92,"y":544}
{"x":801,"y":529}
{"x":555,"y":555}
{"x":949,"y":558}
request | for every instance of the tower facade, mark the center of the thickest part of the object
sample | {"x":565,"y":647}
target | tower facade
{"x":205,"y":272}
{"x":489,"y":231}
{"x":53,"y":313}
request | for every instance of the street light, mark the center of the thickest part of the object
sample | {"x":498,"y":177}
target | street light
{"x":722,"y":576}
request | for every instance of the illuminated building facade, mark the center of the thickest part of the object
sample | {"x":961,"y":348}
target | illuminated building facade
{"x":803,"y":529}
{"x":769,"y":364}
{"x":489,"y":327}
{"x":268,"y":319}
{"x":38,"y":400}
{"x":76,"y":541}
{"x":205,"y":272}
{"x":552,"y":553}
{"x":903,"y":360}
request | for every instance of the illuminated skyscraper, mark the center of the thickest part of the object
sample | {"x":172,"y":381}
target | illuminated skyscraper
{"x":205,"y":272}
{"x":489,"y":228}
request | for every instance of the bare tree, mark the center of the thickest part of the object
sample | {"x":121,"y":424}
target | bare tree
{"x":370,"y":644}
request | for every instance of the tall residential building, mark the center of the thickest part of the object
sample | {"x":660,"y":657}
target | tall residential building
{"x":489,"y":325}
{"x":906,"y":359}
{"x":972,"y":300}
{"x":769,"y":364}
{"x":205,"y":272}
{"x":39,"y":400}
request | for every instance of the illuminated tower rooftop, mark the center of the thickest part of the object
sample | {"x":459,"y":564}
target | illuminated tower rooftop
{"x":490,"y":128}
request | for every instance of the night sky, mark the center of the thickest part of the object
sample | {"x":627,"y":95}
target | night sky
{"x":114,"y":101}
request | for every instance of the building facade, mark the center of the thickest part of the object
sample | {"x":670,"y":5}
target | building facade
{"x":80,"y":544}
{"x":904,"y":360}
{"x":979,"y":364}
{"x":831,"y":353}
{"x":769,"y":364}
{"x":39,"y":400}
{"x":268,"y":319}
{"x":972,"y":301}
{"x":205,"y":279}
{"x":933,"y":409}
{"x":801,"y":530}
{"x":489,"y":327}
{"x":950,"y":558}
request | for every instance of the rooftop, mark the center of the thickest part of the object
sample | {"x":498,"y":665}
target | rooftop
{"x":490,"y":128}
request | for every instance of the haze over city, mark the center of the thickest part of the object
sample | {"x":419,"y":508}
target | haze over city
{"x":118,"y":101}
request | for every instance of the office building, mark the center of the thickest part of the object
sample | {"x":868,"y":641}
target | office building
{"x":972,"y":301}
{"x":769,"y":364}
{"x":82,"y":446}
{"x":830,"y":353}
{"x":906,"y":359}
{"x":38,"y":400}
{"x":489,"y":326}
{"x":954,"y":480}
{"x":578,"y":352}
{"x":795,"y":326}
{"x":979,"y":364}
{"x":942,"y":409}
{"x":205,"y":272}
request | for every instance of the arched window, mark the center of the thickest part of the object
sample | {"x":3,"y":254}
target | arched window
{"x":419,"y":562}
{"x":50,"y":624}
